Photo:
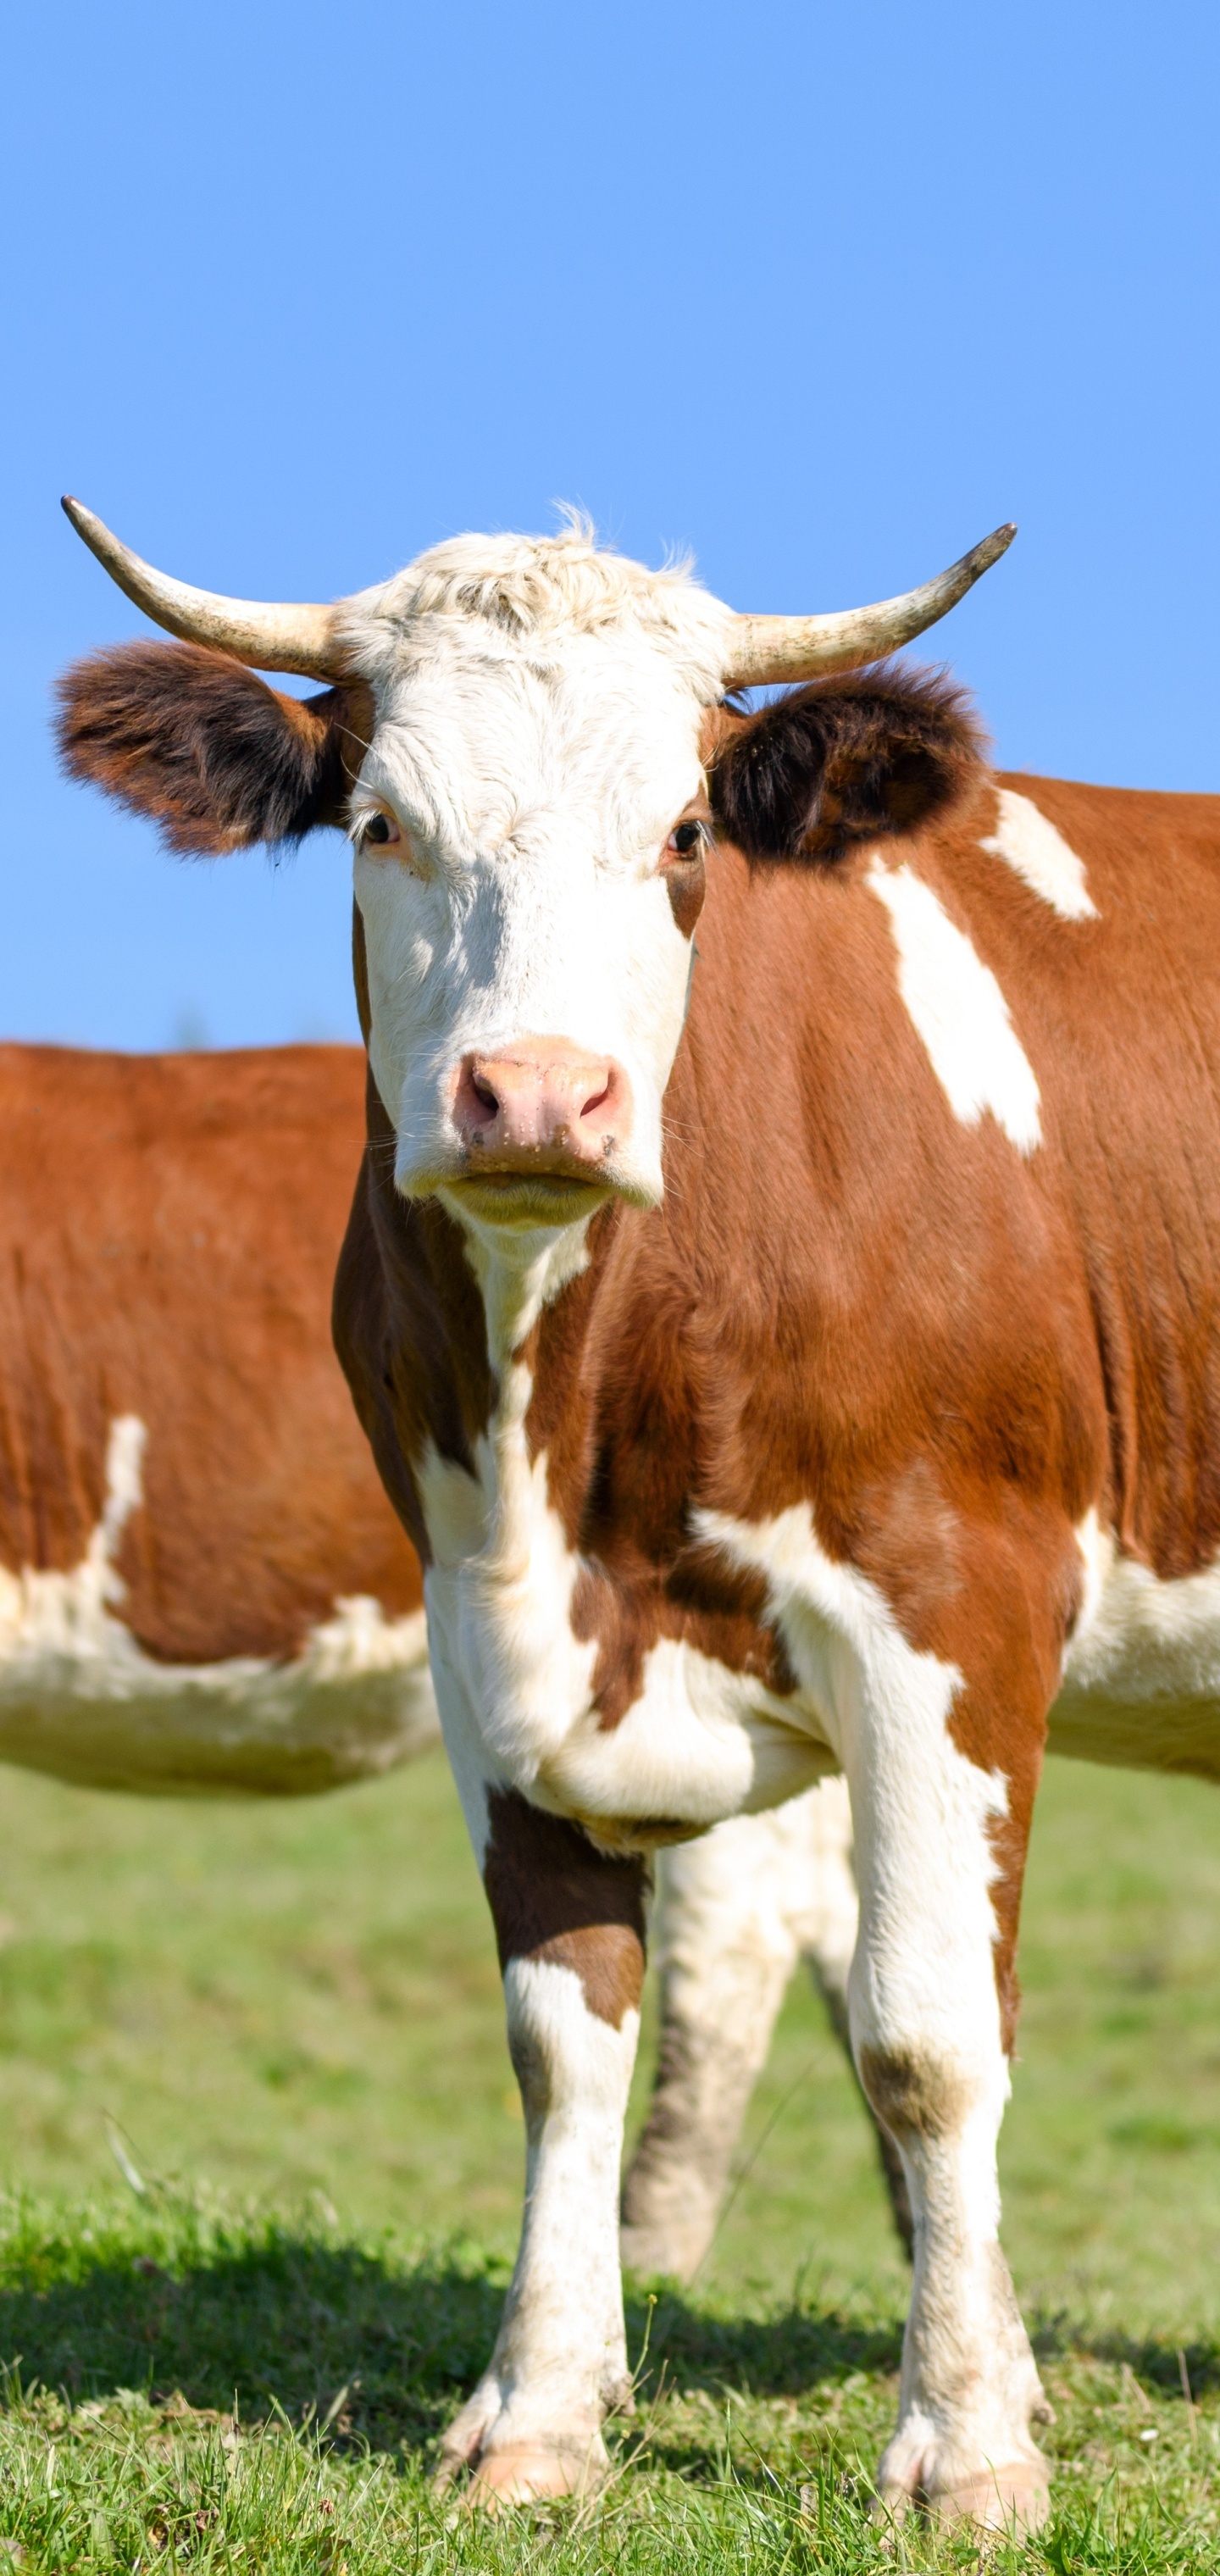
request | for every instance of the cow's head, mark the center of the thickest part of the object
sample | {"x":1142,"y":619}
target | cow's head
{"x":515,"y":739}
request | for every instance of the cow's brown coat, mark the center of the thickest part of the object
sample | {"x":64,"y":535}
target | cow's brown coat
{"x":168,"y":1230}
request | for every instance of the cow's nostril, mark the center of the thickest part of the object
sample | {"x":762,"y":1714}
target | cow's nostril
{"x":484,"y":1094}
{"x":597,"y":1099}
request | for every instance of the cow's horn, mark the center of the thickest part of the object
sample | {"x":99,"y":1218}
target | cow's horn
{"x":272,"y":634}
{"x":803,"y":648}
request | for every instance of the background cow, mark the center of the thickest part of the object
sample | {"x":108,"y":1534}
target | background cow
{"x":801,"y":1357}
{"x":202,"y":1585}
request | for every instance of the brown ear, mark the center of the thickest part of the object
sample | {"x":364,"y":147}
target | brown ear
{"x":845,"y":760}
{"x":201,"y":744}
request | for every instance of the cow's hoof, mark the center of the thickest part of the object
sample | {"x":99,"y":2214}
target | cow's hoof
{"x":1013,"y":2498}
{"x":1016,"y":2497}
{"x":526,"y":2472}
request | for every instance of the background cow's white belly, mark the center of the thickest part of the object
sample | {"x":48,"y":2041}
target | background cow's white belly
{"x":80,"y":1698}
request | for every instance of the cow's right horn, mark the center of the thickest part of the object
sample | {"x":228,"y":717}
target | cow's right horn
{"x":270,"y":634}
{"x":765,"y":649}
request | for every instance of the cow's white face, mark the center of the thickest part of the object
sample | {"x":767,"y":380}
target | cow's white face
{"x":526,"y":829}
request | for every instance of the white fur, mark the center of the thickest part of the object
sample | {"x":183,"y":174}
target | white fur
{"x":80,"y":1698}
{"x":922,"y":1992}
{"x":1141,"y":1673}
{"x":959,"y":1011}
{"x":560,"y":2356}
{"x":1029,"y":843}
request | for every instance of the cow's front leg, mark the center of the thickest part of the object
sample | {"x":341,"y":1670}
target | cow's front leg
{"x":940,"y":1838}
{"x":570,"y":1929}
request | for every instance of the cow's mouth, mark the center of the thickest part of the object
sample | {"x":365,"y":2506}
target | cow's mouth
{"x":530,"y":1198}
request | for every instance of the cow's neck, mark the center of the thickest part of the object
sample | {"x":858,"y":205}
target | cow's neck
{"x":486,"y":1363}
{"x":520,"y":1273}
{"x":522,"y":1278}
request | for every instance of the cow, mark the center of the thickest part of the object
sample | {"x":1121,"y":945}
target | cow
{"x":780,"y":1296}
{"x":202,"y":1585}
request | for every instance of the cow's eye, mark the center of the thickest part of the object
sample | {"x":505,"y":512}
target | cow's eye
{"x":686,"y":841}
{"x":380,"y":831}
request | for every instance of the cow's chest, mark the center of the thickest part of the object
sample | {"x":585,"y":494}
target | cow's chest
{"x":516,"y":1683}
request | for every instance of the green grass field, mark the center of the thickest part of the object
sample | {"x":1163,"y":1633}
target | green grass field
{"x":288,"y":2020}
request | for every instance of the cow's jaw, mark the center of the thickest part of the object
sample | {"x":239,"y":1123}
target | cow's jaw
{"x":523,"y":920}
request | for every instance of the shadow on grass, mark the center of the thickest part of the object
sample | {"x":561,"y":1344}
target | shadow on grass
{"x":1155,"y":2360}
{"x":295,"y":2319}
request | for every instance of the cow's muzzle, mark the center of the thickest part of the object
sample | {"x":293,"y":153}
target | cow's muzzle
{"x":542,"y":1106}
{"x":541,"y":1119}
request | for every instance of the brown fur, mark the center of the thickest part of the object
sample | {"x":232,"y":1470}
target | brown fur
{"x":913,"y":2098}
{"x":843,"y":761}
{"x":204,"y":747}
{"x":168,"y":1231}
{"x":552,"y":1896}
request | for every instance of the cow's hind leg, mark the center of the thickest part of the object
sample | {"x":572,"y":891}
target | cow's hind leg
{"x":734,"y":1911}
{"x":570,"y":1928}
{"x":942,"y":1774}
{"x":726,"y":1942}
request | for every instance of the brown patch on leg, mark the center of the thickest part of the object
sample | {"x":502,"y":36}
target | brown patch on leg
{"x":915,"y":2096}
{"x":552,"y":1896}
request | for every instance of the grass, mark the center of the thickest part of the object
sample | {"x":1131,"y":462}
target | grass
{"x":288,"y":2021}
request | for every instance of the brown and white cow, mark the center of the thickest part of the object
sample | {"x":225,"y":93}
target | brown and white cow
{"x":202,"y":1585}
{"x":796,"y":1355}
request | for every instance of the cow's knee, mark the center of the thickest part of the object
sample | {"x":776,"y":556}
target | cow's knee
{"x":918,"y":2093}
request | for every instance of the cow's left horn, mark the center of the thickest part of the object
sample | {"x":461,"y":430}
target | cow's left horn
{"x":271,"y":634}
{"x":803,"y":648}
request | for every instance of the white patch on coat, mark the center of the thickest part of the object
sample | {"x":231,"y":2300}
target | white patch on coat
{"x":1030,"y":845}
{"x":922,"y":1992}
{"x":515,"y":1685}
{"x":698,"y":1744}
{"x":81,"y":1699}
{"x":959,"y":1011}
{"x":560,"y":2357}
{"x":1141,"y":1672}
{"x":734,"y":1911}
{"x":873,"y":1689}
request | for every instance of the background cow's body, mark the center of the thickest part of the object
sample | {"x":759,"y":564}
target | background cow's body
{"x":876,"y":1427}
{"x":201,"y":1583}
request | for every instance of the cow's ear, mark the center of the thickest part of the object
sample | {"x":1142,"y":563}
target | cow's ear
{"x":203,"y":746}
{"x":842,"y":761}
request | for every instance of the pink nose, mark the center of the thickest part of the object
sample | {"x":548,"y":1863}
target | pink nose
{"x":542,"y":1106}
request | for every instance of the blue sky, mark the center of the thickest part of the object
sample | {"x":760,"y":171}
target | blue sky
{"x":820,"y":293}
